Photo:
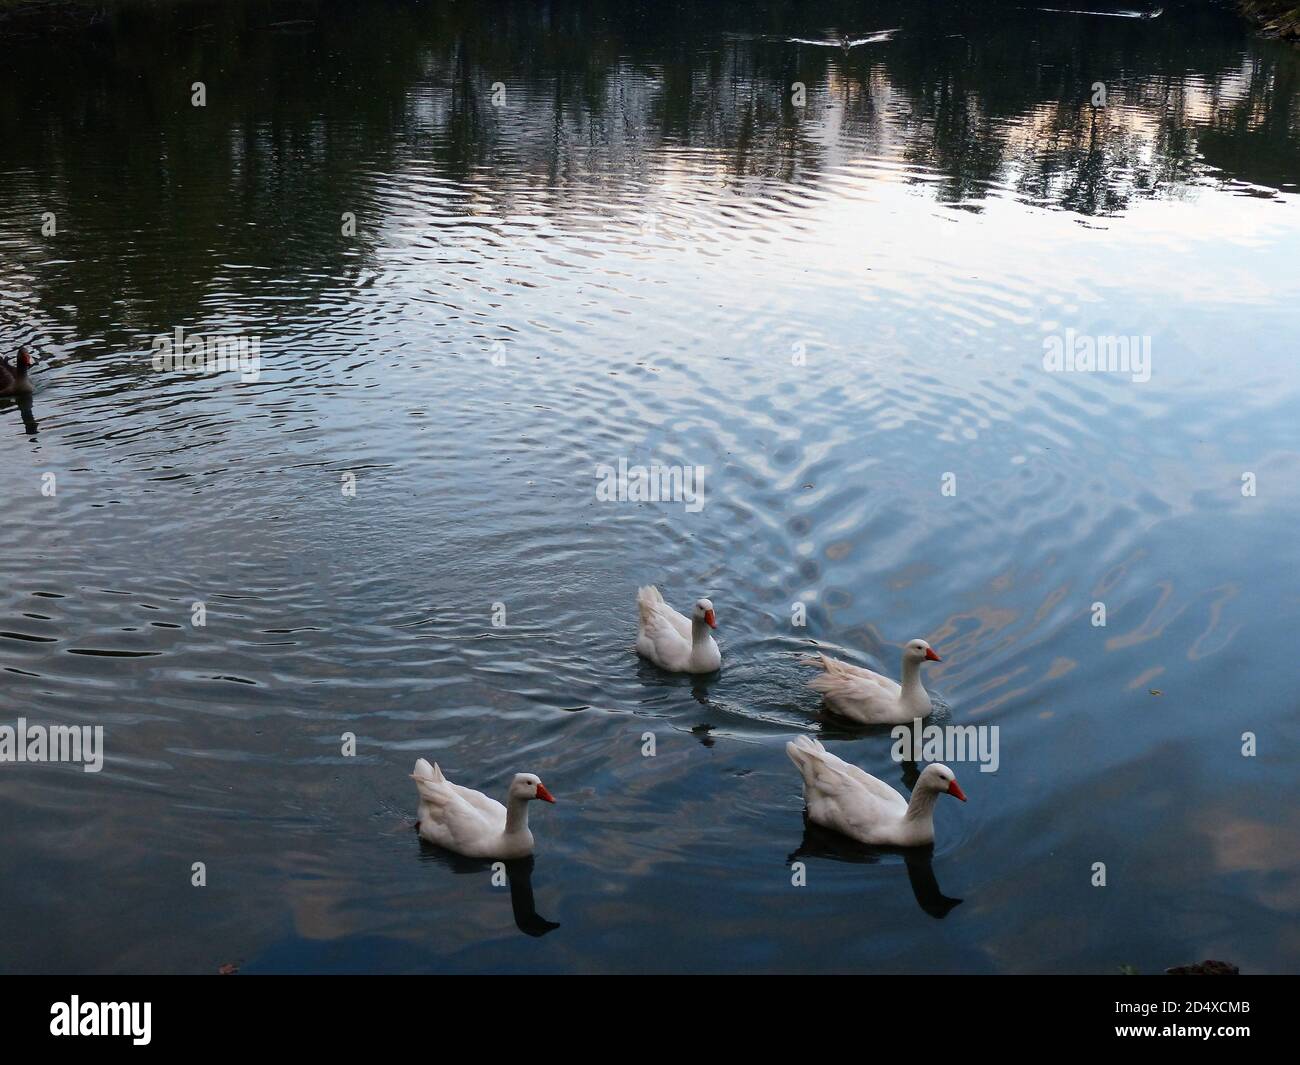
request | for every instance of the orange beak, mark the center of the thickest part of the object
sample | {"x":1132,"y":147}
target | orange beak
{"x":546,"y":796}
{"x":712,"y":621}
{"x":930,"y":656}
{"x":955,"y":789}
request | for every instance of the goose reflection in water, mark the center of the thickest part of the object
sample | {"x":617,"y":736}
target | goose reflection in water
{"x":519,"y":877}
{"x":821,"y":842}
{"x":24,"y":405}
{"x":16,"y":384}
{"x":651,"y":676}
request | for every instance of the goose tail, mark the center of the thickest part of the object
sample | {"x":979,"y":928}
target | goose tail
{"x":648,"y":600}
{"x":425,"y":771}
{"x":832,"y":675}
{"x":804,"y":752}
{"x":430,"y":782}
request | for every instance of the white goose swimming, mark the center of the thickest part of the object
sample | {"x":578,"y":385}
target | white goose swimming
{"x":673,"y":641}
{"x":871,"y":699}
{"x":468,"y":822}
{"x":844,"y":798}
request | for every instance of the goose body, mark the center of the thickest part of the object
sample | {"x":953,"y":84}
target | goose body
{"x":871,"y":699}
{"x":673,"y":641}
{"x":468,"y":822}
{"x":849,"y":800}
{"x":14,"y":378}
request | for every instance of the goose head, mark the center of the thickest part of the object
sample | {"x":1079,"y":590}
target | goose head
{"x":919,"y":651}
{"x":527,"y":786}
{"x":939,"y":778}
{"x":704,"y":612}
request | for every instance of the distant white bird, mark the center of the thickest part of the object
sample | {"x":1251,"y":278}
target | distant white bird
{"x":869,"y":698}
{"x":846,"y":42}
{"x":468,"y":822}
{"x":1126,"y":13}
{"x":849,"y":800}
{"x":673,"y":641}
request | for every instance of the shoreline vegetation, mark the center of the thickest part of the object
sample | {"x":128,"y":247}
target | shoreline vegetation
{"x":1275,"y":18}
{"x":25,"y":18}
{"x":1278,"y":18}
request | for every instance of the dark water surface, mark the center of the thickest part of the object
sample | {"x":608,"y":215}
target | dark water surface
{"x":623,"y":260}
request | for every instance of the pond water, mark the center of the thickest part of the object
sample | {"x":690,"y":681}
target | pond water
{"x":591,"y":232}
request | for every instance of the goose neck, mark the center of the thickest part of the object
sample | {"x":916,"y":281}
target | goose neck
{"x":921,"y":807}
{"x":516,"y":815}
{"x":699,"y":632}
{"x":911,"y":674}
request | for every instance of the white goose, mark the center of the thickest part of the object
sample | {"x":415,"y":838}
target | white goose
{"x":846,"y":799}
{"x":673,"y":641}
{"x":468,"y":822}
{"x":871,"y":699}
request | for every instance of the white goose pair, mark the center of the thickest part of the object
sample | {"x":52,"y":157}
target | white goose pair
{"x":679,"y":644}
{"x":839,"y":796}
{"x":470,"y":823}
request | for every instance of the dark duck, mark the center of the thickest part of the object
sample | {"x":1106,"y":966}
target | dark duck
{"x":15,"y":378}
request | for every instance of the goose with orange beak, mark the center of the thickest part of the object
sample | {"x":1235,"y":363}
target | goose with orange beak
{"x":673,"y":641}
{"x":849,"y":800}
{"x":470,"y":823}
{"x":871,"y":699}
